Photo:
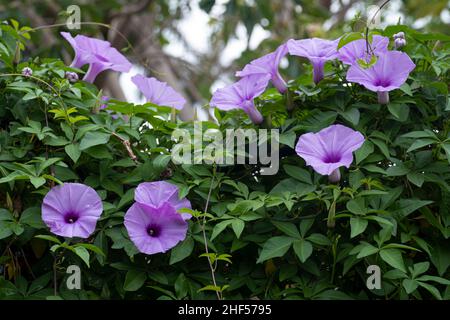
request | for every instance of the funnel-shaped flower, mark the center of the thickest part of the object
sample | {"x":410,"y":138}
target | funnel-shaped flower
{"x":158,"y":92}
{"x":355,"y":50}
{"x":329,"y":149}
{"x":72,"y":210}
{"x":267,"y":64}
{"x":316,"y":50}
{"x":240,"y":95}
{"x":389,"y":72}
{"x":157,"y":193}
{"x":154,"y":230}
{"x":98,"y":54}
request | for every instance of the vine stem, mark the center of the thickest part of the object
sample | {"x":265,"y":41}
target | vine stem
{"x":372,"y":20}
{"x":127,"y":145}
{"x":55,"y":284}
{"x":213,"y":275}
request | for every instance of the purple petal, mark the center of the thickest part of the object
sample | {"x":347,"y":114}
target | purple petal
{"x":237,"y":94}
{"x":313,"y":48}
{"x":316,"y":50}
{"x":329,"y":148}
{"x":252,"y":86}
{"x":240,"y":95}
{"x":267,"y":64}
{"x":158,"y":192}
{"x":351,"y":52}
{"x":158,"y":92}
{"x":168,"y":226}
{"x":389,"y":72}
{"x":98,"y":53}
{"x":226,"y":98}
{"x":77,"y":200}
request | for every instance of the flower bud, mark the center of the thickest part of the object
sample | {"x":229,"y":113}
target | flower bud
{"x":399,"y":42}
{"x":27,"y":72}
{"x":400,"y":35}
{"x":71,"y":76}
{"x":335,"y":176}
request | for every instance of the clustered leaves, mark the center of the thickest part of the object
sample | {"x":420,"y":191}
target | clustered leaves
{"x":288,"y":236}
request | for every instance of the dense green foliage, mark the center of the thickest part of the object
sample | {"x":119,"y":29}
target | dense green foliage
{"x":267,"y":236}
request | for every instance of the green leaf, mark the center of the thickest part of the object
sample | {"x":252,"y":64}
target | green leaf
{"x":93,"y":139}
{"x":357,"y":226}
{"x":182,"y":251}
{"x":82,"y":253}
{"x":287,"y":227}
{"x":410,"y":285}
{"x":181,"y":286}
{"x":32,"y":218}
{"x":349,"y":37}
{"x":5,"y":230}
{"x":238,"y":226}
{"x":382,"y":146}
{"x":431,"y":289}
{"x":420,"y":134}
{"x":420,"y":143}
{"x":441,"y":258}
{"x":73,"y":151}
{"x":435,"y":279}
{"x":406,"y":88}
{"x":134,"y":280}
{"x":218,"y":228}
{"x":394,"y":258}
{"x":352,"y":115}
{"x":275,"y":247}
{"x":366,"y":149}
{"x":288,"y":138}
{"x":398,"y":170}
{"x":303,"y":249}
{"x":446,"y":147}
{"x":37,"y":181}
{"x":305,"y":225}
{"x":367,"y":250}
{"x":399,"y":111}
{"x":416,"y":178}
{"x":48,"y":238}
{"x":161,"y":161}
{"x":357,"y":206}
{"x":319,"y":239}
{"x":298,"y":173}
{"x":90,"y":247}
{"x":408,"y":206}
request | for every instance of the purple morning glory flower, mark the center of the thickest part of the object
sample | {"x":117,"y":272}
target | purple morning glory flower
{"x":240,"y":95}
{"x":72,"y":210}
{"x":267,"y":64}
{"x":98,"y":54}
{"x":316,"y":50}
{"x":355,"y":50}
{"x":159,"y":192}
{"x":388,"y":73}
{"x":329,"y":149}
{"x":154,"y":230}
{"x":158,"y":92}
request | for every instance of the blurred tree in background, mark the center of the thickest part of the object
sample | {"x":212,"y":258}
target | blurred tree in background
{"x":141,"y":28}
